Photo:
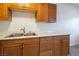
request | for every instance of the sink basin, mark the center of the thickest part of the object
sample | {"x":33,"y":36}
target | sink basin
{"x":20,"y":34}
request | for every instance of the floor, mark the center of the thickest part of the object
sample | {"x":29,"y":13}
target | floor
{"x":74,"y":50}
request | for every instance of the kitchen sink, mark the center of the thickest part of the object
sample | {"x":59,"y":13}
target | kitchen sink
{"x":20,"y":34}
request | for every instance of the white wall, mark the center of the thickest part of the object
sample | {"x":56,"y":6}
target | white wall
{"x":4,"y":25}
{"x":68,"y":16}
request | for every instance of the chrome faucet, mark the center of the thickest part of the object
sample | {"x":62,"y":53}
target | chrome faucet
{"x":23,"y":30}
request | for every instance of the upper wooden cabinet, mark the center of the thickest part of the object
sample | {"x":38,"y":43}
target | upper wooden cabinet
{"x":23,"y":6}
{"x":42,"y":13}
{"x":46,"y":12}
{"x":4,"y":12}
{"x":51,"y":12}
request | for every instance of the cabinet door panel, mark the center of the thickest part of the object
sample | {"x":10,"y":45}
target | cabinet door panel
{"x":28,"y":50}
{"x":46,"y":12}
{"x":4,"y":12}
{"x":51,"y":12}
{"x":65,"y":45}
{"x":57,"y":47}
{"x":12,"y":50}
{"x":46,"y":45}
{"x":42,"y":13}
{"x":61,"y":45}
{"x":1,"y":51}
{"x":31,"y":47}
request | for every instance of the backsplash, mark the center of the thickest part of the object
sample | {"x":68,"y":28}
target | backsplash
{"x":22,"y":19}
{"x":19,"y":20}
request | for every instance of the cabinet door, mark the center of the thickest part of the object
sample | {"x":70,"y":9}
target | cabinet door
{"x":51,"y":12}
{"x":46,"y":45}
{"x":11,"y":50}
{"x":0,"y":51}
{"x":61,"y":44}
{"x":65,"y":45}
{"x":46,"y":12}
{"x":57,"y":46}
{"x":4,"y":12}
{"x":42,"y":13}
{"x":31,"y":47}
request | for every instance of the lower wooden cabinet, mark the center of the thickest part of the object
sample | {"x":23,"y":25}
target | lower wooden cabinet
{"x":54,"y":45}
{"x":22,"y":47}
{"x":43,"y":46}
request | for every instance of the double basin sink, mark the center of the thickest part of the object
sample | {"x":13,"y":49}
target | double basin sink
{"x":20,"y":34}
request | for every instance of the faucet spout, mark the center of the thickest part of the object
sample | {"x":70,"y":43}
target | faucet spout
{"x":23,"y":30}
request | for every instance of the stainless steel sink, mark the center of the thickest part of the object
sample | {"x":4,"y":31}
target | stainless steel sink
{"x":20,"y":34}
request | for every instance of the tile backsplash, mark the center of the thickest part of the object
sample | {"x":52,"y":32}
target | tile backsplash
{"x":22,"y":19}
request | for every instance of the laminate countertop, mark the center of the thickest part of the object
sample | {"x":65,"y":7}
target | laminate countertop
{"x":36,"y":36}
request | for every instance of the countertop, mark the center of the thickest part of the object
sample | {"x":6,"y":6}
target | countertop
{"x":20,"y":37}
{"x":39,"y":34}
